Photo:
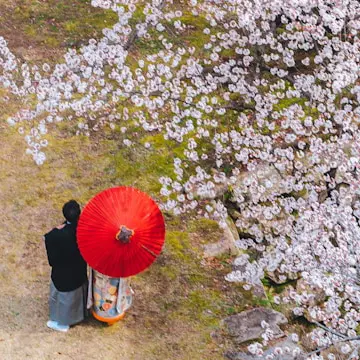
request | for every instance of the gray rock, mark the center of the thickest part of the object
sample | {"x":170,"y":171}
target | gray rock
{"x":265,"y":175}
{"x":258,"y":290}
{"x":226,"y":245}
{"x":287,"y":347}
{"x":279,"y":278}
{"x":316,"y":295}
{"x":242,"y":266}
{"x":246,"y":325}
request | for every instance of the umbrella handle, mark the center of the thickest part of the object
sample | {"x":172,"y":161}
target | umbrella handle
{"x":124,"y":234}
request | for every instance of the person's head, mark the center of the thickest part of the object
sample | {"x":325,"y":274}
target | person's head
{"x":71,"y":211}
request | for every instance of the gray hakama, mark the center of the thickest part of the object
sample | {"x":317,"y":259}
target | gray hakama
{"x":68,"y":308}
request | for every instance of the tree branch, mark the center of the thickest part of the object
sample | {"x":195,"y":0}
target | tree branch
{"x":329,"y":330}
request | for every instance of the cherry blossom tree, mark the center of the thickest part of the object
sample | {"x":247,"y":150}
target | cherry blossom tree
{"x":263,"y":99}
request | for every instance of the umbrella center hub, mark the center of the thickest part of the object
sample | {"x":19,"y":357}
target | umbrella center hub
{"x":124,"y":234}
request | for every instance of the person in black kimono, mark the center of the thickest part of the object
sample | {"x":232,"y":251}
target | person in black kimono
{"x":69,"y":283}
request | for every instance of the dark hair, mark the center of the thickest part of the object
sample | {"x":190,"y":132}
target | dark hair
{"x":71,"y":211}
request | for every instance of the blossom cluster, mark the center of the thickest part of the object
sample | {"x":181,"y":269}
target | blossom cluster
{"x":264,"y":104}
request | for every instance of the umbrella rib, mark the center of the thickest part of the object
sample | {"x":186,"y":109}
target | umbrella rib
{"x":149,"y":251}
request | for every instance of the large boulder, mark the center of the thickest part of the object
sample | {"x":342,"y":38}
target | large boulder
{"x":247,"y":325}
{"x":265,"y":175}
{"x":227,"y":243}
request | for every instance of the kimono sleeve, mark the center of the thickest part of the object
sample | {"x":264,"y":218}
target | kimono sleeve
{"x":53,"y":255}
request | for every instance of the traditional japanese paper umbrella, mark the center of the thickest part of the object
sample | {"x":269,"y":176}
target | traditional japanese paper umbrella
{"x":120,"y":232}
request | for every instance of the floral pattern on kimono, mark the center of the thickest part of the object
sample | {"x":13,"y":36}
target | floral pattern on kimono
{"x":109,"y":297}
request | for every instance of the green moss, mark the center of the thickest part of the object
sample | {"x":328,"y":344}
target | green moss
{"x":285,"y":103}
{"x":156,"y":140}
{"x":70,"y":26}
{"x":197,"y":302}
{"x":203,"y":306}
{"x":167,"y":148}
{"x":203,"y":225}
{"x":126,"y":171}
{"x":299,"y":194}
{"x":228,"y":53}
{"x":138,"y":16}
{"x":206,"y":300}
{"x":65,"y":23}
{"x":51,"y":41}
{"x":148,"y":46}
{"x":194,"y":36}
{"x":169,"y":272}
{"x":196,"y":278}
{"x":172,"y":222}
{"x":208,"y":230}
{"x":188,"y":19}
{"x":142,"y":168}
{"x":262,"y":302}
{"x":177,"y":243}
{"x":30,"y":31}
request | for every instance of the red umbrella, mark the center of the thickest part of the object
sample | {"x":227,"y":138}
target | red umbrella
{"x":120,"y":232}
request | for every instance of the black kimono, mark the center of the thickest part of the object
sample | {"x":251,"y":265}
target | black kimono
{"x":68,"y":288}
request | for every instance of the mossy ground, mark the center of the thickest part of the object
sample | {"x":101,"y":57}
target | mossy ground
{"x":42,"y":30}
